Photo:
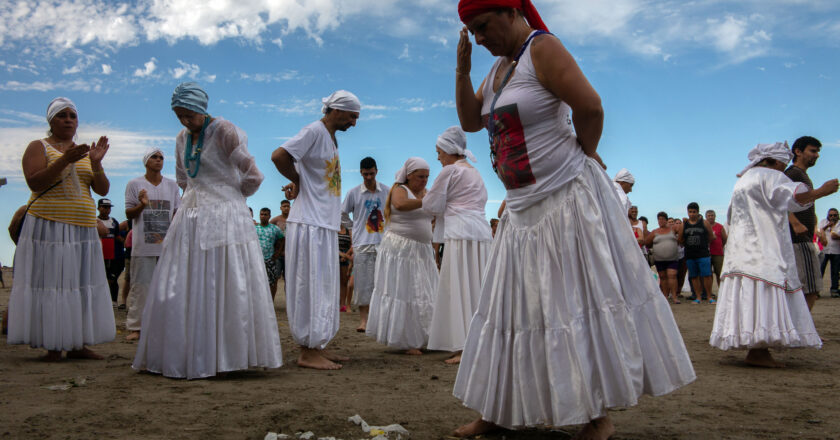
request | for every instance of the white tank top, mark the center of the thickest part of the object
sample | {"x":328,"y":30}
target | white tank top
{"x":536,"y":148}
{"x":415,"y":224}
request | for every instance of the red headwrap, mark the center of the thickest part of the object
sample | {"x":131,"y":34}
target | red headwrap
{"x":469,"y":9}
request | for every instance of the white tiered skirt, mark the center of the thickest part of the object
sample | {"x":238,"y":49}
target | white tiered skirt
{"x":754,"y":314}
{"x":209,"y":309}
{"x":570,"y":321}
{"x":404,"y":293}
{"x":60,"y":299}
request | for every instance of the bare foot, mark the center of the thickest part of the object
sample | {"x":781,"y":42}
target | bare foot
{"x":476,"y":427}
{"x":312,"y":358}
{"x":51,"y":356}
{"x":333,"y":356}
{"x":597,"y":429}
{"x":760,"y":357}
{"x":133,"y":336}
{"x":454,"y":360}
{"x":414,"y":352}
{"x":84,"y":353}
{"x":362,"y":328}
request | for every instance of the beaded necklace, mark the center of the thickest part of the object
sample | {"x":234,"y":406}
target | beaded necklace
{"x":193,"y":157}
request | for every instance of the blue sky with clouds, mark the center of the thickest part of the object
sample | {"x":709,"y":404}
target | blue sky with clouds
{"x":688,"y":87}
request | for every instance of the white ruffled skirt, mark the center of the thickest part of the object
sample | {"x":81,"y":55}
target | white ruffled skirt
{"x":570,"y":321}
{"x":403,"y":297}
{"x":60,"y":299}
{"x":754,"y":314}
{"x":209,"y":308}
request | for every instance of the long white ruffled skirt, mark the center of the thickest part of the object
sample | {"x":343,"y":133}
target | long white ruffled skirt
{"x":570,"y":321}
{"x":209,"y":308}
{"x":754,"y":314}
{"x":60,"y":299}
{"x":404,"y":292}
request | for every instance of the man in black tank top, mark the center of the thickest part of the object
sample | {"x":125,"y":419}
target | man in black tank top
{"x":695,"y":234}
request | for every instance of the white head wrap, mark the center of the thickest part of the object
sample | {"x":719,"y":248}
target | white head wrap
{"x":151,"y":152}
{"x":341,"y":100}
{"x":454,"y":141}
{"x":624,"y":176}
{"x":411,"y":165}
{"x":57,"y":105}
{"x":779,"y":151}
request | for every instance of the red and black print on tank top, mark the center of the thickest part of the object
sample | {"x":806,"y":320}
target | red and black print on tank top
{"x":508,"y":150}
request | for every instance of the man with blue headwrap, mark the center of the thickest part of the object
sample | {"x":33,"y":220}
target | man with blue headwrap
{"x":310,"y":161}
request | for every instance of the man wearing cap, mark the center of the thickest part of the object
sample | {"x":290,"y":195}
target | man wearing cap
{"x":310,"y":161}
{"x":366,"y":203}
{"x":113,"y":249}
{"x":150,"y":202}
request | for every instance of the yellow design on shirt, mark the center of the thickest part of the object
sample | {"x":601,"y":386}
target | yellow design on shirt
{"x":333,"y":176}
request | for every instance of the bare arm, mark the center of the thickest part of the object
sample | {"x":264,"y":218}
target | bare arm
{"x":136,"y":210}
{"x":723,"y":236}
{"x":558,"y":72}
{"x":804,"y":198}
{"x":100,"y":185}
{"x":285,"y":164}
{"x":467,"y":102}
{"x":40,"y":176}
{"x":709,"y":230}
{"x":401,"y":202}
{"x":502,"y":208}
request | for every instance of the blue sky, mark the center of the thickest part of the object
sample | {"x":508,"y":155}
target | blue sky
{"x":688,"y":87}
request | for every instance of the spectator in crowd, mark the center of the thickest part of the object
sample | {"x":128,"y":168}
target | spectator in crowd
{"x":695,"y":234}
{"x":831,"y":230}
{"x":716,"y":246}
{"x":280,"y":220}
{"x":665,"y":248}
{"x":806,"y":151}
{"x":126,"y":287}
{"x":271,"y":243}
{"x":494,"y":222}
{"x":639,"y":227}
{"x":365,"y":204}
{"x":345,"y":261}
{"x":113,"y":246}
{"x":623,"y":182}
{"x":60,"y":296}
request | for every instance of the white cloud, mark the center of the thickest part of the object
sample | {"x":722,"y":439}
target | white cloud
{"x":287,"y":75}
{"x":439,"y":39}
{"x":23,"y":116}
{"x":106,"y":69}
{"x":190,"y":70}
{"x":148,"y":68}
{"x":81,"y":65}
{"x":372,"y":116}
{"x":45,"y":86}
{"x":278,"y":42}
{"x":404,"y":55}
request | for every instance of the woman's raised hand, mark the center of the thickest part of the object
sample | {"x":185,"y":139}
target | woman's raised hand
{"x":98,"y":150}
{"x":464,"y":53}
{"x":76,"y":153}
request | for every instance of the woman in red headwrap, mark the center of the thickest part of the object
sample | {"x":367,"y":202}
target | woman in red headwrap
{"x":570,"y":321}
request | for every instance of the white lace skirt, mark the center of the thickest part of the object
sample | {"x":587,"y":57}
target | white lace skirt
{"x":754,"y":314}
{"x":209,"y":308}
{"x":570,"y":321}
{"x":60,"y":299}
{"x":458,"y":291}
{"x":403,"y":297}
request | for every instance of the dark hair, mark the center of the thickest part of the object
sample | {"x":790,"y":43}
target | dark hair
{"x":831,"y":209}
{"x":693,"y":205}
{"x":327,"y":111}
{"x":662,"y":214}
{"x":251,"y":209}
{"x":767,"y":162}
{"x":367,"y":163}
{"x":711,"y":210}
{"x":801,"y":143}
{"x":266,"y":210}
{"x":284,"y":201}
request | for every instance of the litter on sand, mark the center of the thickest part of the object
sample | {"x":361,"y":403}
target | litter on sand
{"x":390,"y":432}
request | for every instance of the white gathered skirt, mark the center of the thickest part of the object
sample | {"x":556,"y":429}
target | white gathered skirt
{"x":570,"y":321}
{"x":458,"y":291}
{"x":209,"y":308}
{"x":753,"y":314}
{"x":404,"y":294}
{"x":312,"y":284}
{"x":60,"y":299}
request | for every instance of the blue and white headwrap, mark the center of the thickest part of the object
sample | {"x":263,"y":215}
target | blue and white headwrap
{"x":191,"y":96}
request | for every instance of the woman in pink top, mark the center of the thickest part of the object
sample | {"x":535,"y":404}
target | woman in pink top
{"x":570,"y":322}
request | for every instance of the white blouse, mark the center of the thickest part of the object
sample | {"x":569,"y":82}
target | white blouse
{"x":458,"y":194}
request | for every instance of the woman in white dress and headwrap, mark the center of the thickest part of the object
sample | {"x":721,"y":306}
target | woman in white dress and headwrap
{"x":458,"y":196}
{"x":209,"y":308}
{"x":760,"y":303}
{"x":406,"y":275}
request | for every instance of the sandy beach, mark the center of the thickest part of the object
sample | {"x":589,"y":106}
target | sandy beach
{"x":78,"y":399}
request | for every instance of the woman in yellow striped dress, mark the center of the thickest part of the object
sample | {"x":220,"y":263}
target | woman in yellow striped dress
{"x":60,"y":299}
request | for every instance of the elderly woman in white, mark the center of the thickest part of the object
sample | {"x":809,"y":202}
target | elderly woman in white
{"x":406,"y":275}
{"x":458,"y":195}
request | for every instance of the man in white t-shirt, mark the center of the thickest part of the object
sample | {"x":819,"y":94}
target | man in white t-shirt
{"x":366,"y":203}
{"x":623,"y":182}
{"x":150,"y":202}
{"x":310,"y":161}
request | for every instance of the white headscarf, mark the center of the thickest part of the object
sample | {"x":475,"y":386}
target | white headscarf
{"x":779,"y":151}
{"x":624,"y":176}
{"x":454,"y":141}
{"x":341,"y":100}
{"x":57,"y":105}
{"x":411,"y":165}
{"x":151,"y":152}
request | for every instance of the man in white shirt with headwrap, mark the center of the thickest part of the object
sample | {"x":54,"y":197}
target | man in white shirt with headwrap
{"x":150,"y":202}
{"x":624,"y":182}
{"x":310,"y":161}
